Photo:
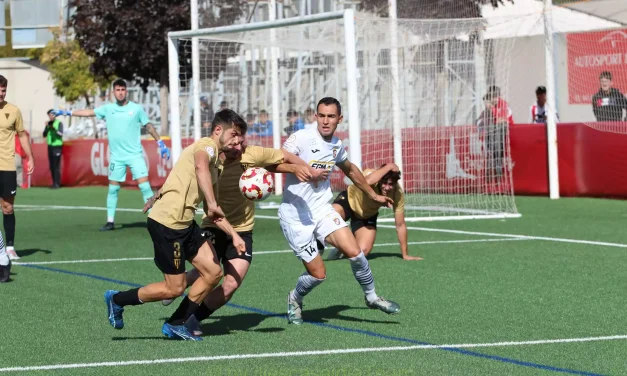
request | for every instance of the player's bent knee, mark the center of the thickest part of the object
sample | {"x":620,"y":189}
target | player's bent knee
{"x":213,"y":276}
{"x":176,"y":289}
{"x":230,"y":286}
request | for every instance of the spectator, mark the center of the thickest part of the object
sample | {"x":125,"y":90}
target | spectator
{"x":53,"y":132}
{"x":538,"y":109}
{"x":224,"y":105}
{"x":500,"y":118}
{"x":264,"y":127}
{"x":295,"y":123}
{"x":206,"y":112}
{"x":608,"y":103}
{"x":310,"y":117}
{"x":250,"y":120}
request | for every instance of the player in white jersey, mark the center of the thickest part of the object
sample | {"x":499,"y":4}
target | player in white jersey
{"x":307,"y":216}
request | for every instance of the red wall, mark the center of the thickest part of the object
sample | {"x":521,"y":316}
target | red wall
{"x":591,"y":162}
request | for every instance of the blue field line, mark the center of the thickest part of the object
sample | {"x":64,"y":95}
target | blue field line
{"x":344,"y":329}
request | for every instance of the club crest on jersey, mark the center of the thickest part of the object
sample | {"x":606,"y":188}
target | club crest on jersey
{"x":210,"y":151}
{"x":335,"y":152}
{"x":337,"y":221}
{"x":130,"y":113}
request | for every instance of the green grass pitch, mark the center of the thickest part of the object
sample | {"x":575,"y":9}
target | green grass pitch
{"x":550,"y":302}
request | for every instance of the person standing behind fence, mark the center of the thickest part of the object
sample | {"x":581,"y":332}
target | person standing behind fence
{"x":608,"y":103}
{"x":53,"y":133}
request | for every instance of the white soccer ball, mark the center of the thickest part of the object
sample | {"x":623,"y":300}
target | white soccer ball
{"x":256,"y":184}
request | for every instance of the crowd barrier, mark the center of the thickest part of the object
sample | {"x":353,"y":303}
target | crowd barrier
{"x":449,"y":159}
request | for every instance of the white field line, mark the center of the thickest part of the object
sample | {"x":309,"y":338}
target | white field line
{"x":304,"y":353}
{"x":255,"y":252}
{"x":427,"y":229}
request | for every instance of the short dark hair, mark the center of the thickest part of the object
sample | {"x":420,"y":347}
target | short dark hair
{"x":3,"y":81}
{"x":250,"y":116}
{"x":541,"y":90}
{"x":292,"y":112}
{"x":606,"y":74}
{"x":119,"y":82}
{"x":327,"y":101}
{"x":263,"y":112}
{"x":228,"y":119}
{"x":494,"y":92}
{"x":394,"y":175}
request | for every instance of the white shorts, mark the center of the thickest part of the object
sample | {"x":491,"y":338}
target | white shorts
{"x":302,"y":238}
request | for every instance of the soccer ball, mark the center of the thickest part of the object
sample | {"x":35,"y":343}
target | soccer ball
{"x":256,"y":184}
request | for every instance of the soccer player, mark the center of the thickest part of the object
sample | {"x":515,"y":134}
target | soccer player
{"x":306,"y":216}
{"x":177,"y":237}
{"x":353,"y":204}
{"x":10,"y":123}
{"x":240,"y":212}
{"x":124,"y":121}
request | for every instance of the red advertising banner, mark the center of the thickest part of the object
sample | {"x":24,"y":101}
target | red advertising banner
{"x":591,"y":53}
{"x":436,"y":160}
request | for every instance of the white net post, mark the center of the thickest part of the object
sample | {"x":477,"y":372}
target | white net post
{"x":551,"y":124}
{"x":396,"y":103}
{"x":195,"y":72}
{"x":354,"y":128}
{"x":276,"y":107}
{"x":175,"y":118}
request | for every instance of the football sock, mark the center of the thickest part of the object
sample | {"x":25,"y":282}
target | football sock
{"x":112,"y":201}
{"x":146,"y":190}
{"x":203,"y":312}
{"x":305,"y":284}
{"x":183,"y":312}
{"x":126,"y":298}
{"x":363,"y":275}
{"x":4,"y":258}
{"x":9,"y":228}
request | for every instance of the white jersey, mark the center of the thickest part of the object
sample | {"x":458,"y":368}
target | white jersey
{"x":303,"y":202}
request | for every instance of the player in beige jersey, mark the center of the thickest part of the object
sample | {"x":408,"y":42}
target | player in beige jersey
{"x":240,"y":212}
{"x":363,"y":212}
{"x":177,"y":237}
{"x":10,"y":124}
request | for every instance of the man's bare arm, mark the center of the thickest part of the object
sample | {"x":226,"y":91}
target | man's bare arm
{"x":152,"y":131}
{"x":25,"y":143}
{"x":205,"y":183}
{"x":378,"y":174}
{"x":353,"y":173}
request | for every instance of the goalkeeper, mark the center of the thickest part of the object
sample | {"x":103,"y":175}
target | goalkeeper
{"x":353,"y":204}
{"x":124,"y":121}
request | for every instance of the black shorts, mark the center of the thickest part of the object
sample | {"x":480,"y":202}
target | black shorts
{"x":356,"y":223}
{"x":173,"y":247}
{"x":8,"y":184}
{"x":223,"y":244}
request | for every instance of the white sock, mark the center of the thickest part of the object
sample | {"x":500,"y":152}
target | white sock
{"x":4,"y":258}
{"x":363,"y":275}
{"x":109,"y":219}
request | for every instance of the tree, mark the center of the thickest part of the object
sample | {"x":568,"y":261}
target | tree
{"x":431,"y":9}
{"x":69,"y":67}
{"x":128,"y":38}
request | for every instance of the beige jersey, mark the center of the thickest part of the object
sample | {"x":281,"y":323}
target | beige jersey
{"x":180,"y":195}
{"x":239,"y":211}
{"x":10,"y":123}
{"x":364,"y":207}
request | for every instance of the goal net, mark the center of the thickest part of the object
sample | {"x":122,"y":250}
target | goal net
{"x":429,"y":95}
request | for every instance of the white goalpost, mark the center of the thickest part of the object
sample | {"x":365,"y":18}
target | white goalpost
{"x":411,"y":91}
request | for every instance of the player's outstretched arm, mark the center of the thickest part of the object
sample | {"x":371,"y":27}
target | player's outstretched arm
{"x":353,"y":173}
{"x":378,"y":174}
{"x":79,"y":113}
{"x":401,"y":232}
{"x":151,"y":201}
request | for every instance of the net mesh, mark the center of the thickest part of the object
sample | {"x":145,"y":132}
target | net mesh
{"x":452,"y":106}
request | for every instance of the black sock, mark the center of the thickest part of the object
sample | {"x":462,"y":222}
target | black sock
{"x":183,"y":312}
{"x":203,"y":312}
{"x":125,"y":298}
{"x":9,"y":228}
